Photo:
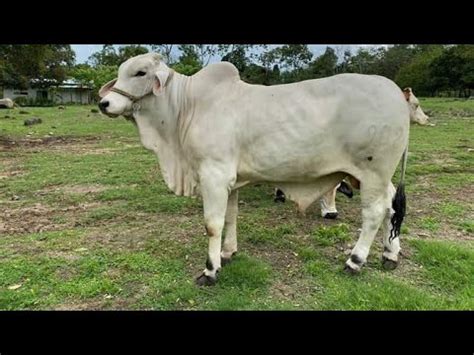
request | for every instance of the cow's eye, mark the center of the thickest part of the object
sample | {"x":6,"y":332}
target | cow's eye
{"x":140,"y":73}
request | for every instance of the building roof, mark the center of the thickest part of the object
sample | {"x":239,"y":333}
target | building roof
{"x":67,"y":84}
{"x":73,"y":84}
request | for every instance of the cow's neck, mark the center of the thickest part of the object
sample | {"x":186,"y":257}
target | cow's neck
{"x":160,"y":121}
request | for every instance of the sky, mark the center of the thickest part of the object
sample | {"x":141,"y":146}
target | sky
{"x":83,"y":51}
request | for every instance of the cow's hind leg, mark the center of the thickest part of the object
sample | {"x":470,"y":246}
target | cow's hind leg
{"x":328,"y":204}
{"x":215,"y":193}
{"x":391,"y":241}
{"x":229,"y":247}
{"x":375,"y":204}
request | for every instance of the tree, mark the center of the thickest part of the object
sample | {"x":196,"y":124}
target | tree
{"x":363,"y":62}
{"x":447,"y":70}
{"x":166,"y":50}
{"x":388,"y":61}
{"x":203,"y":53}
{"x":417,"y":73}
{"x":343,"y":67}
{"x":466,"y":53}
{"x":189,"y":62}
{"x":36,"y":65}
{"x":237,"y":56}
{"x":127,"y":52}
{"x":294,"y":56}
{"x":95,"y":76}
{"x":324,"y":65}
{"x":109,"y":56}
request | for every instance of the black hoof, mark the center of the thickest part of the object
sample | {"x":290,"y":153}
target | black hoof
{"x":205,"y":280}
{"x":389,"y":264}
{"x":279,"y":196}
{"x":350,"y":271}
{"x":331,"y":215}
{"x":345,"y":189}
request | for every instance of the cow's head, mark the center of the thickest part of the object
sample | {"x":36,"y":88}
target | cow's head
{"x":138,"y":77}
{"x":416,"y":113}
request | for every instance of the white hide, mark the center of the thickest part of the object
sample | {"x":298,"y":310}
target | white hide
{"x":304,"y":137}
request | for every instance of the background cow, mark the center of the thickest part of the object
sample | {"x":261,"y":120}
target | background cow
{"x":416,"y":113}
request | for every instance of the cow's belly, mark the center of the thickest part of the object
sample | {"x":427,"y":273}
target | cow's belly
{"x":296,"y":162}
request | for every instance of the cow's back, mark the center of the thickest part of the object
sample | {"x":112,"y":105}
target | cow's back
{"x":315,"y":127}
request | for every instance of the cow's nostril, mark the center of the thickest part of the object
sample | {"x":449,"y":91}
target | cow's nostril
{"x":103,"y":105}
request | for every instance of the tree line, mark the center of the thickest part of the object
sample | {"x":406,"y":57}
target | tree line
{"x":431,"y":70}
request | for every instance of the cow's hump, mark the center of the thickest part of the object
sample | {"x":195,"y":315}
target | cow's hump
{"x":218,"y":72}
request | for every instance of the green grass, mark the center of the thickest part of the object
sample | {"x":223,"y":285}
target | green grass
{"x":330,"y":235}
{"x":87,"y":223}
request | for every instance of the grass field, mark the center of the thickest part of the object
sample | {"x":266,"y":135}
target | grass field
{"x":87,"y":223}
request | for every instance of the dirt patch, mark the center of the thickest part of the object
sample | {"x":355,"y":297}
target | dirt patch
{"x":145,"y":227}
{"x":80,"y":306}
{"x":74,"y":189}
{"x":9,"y":143}
{"x":62,"y":255}
{"x":40,"y":218}
{"x":10,"y":167}
{"x":85,"y":149}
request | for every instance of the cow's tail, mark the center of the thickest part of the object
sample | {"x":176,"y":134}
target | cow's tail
{"x":399,"y":201}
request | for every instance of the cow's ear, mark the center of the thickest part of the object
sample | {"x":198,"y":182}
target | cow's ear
{"x":160,"y":80}
{"x":407,"y":93}
{"x":104,"y":90}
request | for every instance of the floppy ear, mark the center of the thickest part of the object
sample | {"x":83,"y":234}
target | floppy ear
{"x":104,"y":90}
{"x":160,"y":80}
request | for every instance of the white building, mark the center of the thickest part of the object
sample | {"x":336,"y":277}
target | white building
{"x":69,"y":91}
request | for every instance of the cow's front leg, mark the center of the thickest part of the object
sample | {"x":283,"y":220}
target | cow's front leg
{"x":215,"y":193}
{"x":229,"y":248}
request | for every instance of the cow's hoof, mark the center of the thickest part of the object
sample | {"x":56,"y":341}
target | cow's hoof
{"x":389,"y":264}
{"x":331,"y":215}
{"x":279,"y":196}
{"x":350,"y":271}
{"x":225,"y":261}
{"x":345,"y":189}
{"x":281,"y":199}
{"x":205,"y":280}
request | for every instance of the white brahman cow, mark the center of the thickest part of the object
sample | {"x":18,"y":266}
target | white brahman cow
{"x":328,"y":201}
{"x":213,"y":133}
